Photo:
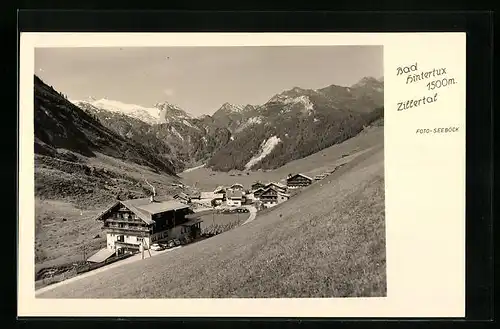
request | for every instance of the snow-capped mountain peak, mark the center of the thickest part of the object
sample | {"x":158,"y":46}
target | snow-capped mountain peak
{"x":147,"y":114}
{"x":289,"y":101}
{"x":168,"y":112}
{"x":228,"y":107}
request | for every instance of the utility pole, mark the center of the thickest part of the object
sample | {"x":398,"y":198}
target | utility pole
{"x":84,"y":250}
{"x":213,"y":216}
{"x":143,"y":245}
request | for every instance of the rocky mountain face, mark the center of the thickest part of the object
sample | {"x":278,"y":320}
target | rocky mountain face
{"x":299,"y":122}
{"x":60,"y":126}
{"x":80,"y":160}
{"x":176,"y":135}
{"x":233,"y":117}
{"x":291,"y":125}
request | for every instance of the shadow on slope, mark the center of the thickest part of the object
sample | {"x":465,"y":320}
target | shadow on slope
{"x":59,"y":124}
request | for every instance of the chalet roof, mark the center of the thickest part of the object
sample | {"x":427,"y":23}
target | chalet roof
{"x":258,"y":191}
{"x":100,"y":256}
{"x":237,"y":184}
{"x":105,"y":212}
{"x":212,"y":195}
{"x":219,"y":189}
{"x":143,"y":207}
{"x":159,"y":207}
{"x":274,"y":189}
{"x":302,"y":175}
{"x":279,"y":185}
{"x":136,"y":205}
{"x":234,"y":194}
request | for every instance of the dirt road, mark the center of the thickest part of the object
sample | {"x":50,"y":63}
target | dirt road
{"x":253,"y":214}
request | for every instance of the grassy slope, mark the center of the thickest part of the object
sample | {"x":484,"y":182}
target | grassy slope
{"x":328,"y":241}
{"x":207,"y":179}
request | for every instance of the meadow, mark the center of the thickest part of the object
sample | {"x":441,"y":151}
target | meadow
{"x":327,"y":241}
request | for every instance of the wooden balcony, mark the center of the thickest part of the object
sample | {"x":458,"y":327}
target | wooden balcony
{"x":127,"y":229}
{"x":124,"y":221}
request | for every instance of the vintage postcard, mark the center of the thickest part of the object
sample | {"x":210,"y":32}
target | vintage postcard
{"x":276,"y":174}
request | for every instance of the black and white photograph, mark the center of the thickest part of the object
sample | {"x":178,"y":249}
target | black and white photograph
{"x":209,"y":172}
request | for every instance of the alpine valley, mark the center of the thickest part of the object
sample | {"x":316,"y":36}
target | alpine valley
{"x":90,"y":152}
{"x":95,"y":150}
{"x":289,"y":126}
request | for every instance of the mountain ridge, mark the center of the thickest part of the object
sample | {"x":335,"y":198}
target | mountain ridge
{"x":236,"y":131}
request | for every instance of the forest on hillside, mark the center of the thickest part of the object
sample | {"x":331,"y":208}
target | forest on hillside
{"x":300,"y":136}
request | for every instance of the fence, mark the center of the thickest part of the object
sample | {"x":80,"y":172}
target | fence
{"x":92,"y":266}
{"x":51,"y":275}
{"x":215,"y":229}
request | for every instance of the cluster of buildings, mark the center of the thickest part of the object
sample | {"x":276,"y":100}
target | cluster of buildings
{"x":265,"y":195}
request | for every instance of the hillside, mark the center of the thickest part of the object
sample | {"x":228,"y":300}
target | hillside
{"x":328,"y":241}
{"x":59,"y":124}
{"x":296,"y":123}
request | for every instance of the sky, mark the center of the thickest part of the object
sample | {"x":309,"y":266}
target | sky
{"x":201,"y":79}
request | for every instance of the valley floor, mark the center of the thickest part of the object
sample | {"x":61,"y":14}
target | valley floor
{"x":207,"y":180}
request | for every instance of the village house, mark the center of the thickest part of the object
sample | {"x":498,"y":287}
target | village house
{"x":132,"y":223}
{"x":221,"y":190}
{"x":257,"y":193}
{"x":298,"y":180}
{"x":234,"y":198}
{"x":218,"y":198}
{"x":271,"y":196}
{"x":277,"y":186}
{"x":257,"y":185}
